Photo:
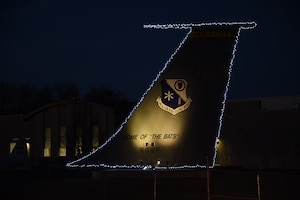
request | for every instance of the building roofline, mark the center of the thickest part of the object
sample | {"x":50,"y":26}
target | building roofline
{"x":63,"y":102}
{"x":263,"y":98}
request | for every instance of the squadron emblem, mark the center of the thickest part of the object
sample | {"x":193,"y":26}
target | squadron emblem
{"x":173,"y":98}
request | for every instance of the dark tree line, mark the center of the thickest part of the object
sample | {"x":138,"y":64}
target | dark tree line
{"x":24,"y":98}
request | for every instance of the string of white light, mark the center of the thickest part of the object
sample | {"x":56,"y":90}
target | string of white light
{"x":252,"y":25}
{"x":242,"y":25}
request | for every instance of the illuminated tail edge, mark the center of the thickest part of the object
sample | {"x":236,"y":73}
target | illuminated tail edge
{"x":243,"y":25}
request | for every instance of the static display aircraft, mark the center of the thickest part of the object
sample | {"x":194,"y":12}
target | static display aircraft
{"x":176,"y":123}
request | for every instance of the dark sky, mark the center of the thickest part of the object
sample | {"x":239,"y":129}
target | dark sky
{"x":96,"y":43}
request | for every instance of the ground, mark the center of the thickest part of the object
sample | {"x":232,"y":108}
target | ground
{"x":50,"y":183}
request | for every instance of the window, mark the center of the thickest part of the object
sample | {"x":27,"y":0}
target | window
{"x":78,"y":150}
{"x":47,"y":145}
{"x":13,"y":144}
{"x":95,"y":139}
{"x":63,"y":141}
{"x":20,"y":145}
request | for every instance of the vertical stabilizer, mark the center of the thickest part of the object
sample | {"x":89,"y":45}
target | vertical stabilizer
{"x":177,"y":121}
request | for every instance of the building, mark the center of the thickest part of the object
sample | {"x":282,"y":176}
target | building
{"x":261,"y":133}
{"x":64,"y":129}
{"x":256,"y":133}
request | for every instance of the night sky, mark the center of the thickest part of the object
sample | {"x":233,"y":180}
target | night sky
{"x":96,"y":43}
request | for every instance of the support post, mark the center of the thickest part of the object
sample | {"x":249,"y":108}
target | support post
{"x":258,"y":185}
{"x":154,"y":187}
{"x":207,"y":178}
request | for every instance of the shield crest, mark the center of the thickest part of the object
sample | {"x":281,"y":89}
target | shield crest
{"x":173,"y":97}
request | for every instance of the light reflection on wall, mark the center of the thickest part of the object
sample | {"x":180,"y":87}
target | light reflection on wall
{"x":153,"y":126}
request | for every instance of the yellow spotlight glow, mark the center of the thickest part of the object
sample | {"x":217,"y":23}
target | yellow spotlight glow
{"x":155,"y":127}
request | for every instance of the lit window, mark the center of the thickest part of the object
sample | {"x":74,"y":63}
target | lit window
{"x":28,"y":147}
{"x":78,"y":150}
{"x":13,"y":144}
{"x":23,"y":145}
{"x":63,"y":141}
{"x":95,"y":139}
{"x":47,"y":147}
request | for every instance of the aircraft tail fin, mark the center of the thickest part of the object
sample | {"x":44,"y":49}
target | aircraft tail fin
{"x":178,"y":119}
